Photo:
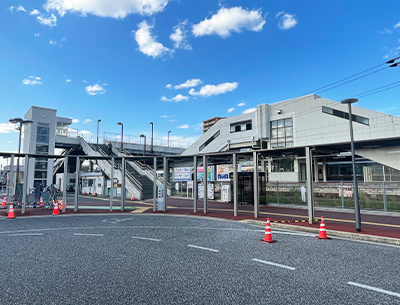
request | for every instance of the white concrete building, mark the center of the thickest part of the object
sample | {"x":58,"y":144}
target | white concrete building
{"x":285,"y":128}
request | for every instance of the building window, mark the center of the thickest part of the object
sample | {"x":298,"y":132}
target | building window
{"x":345,"y":115}
{"x":206,"y":143}
{"x":282,"y":165}
{"x":282,"y":133}
{"x":61,"y":129}
{"x":43,"y":133}
{"x":241,"y":126}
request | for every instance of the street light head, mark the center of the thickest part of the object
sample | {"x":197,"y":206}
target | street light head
{"x":169,"y":131}
{"x":151,"y":123}
{"x":27,"y":121}
{"x":394,"y":65}
{"x":119,"y":123}
{"x":99,"y":120}
{"x":142,"y":136}
{"x":392,"y":60}
{"x":349,"y":101}
{"x":15,"y":120}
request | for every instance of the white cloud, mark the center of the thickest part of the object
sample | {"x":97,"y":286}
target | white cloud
{"x":231,"y":109}
{"x":34,"y":12}
{"x":190,"y":83}
{"x":179,"y":36}
{"x":51,"y":21}
{"x":169,"y":86}
{"x":64,"y":39}
{"x":68,"y":80}
{"x":186,"y":126}
{"x":167,"y":116}
{"x":148,"y":44}
{"x":7,"y":128}
{"x":36,"y":34}
{"x":95,"y":89}
{"x":11,"y":9}
{"x":52,"y":42}
{"x":287,"y":21}
{"x":74,"y":121}
{"x":249,"y":110}
{"x":20,"y":9}
{"x":385,"y":31}
{"x":32,"y":80}
{"x":397,"y":25}
{"x":241,"y":104}
{"x":87,"y":121}
{"x":86,"y":133}
{"x":177,"y":98}
{"x":229,"y":20}
{"x":209,"y":90}
{"x":170,"y":121}
{"x":107,"y":8}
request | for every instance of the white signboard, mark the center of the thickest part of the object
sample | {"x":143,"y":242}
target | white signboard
{"x":160,"y":197}
{"x":200,"y":191}
{"x":210,"y":191}
{"x":190,"y":184}
{"x":182,"y":173}
{"x":223,"y":172}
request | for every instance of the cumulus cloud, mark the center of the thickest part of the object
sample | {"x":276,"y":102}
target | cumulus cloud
{"x":20,"y":8}
{"x":249,"y":110}
{"x":50,"y":21}
{"x":167,"y":116}
{"x":32,"y":80}
{"x":176,"y":99}
{"x":209,"y":90}
{"x":95,"y":89}
{"x":11,"y":9}
{"x":86,"y":133}
{"x":229,"y":20}
{"x":231,"y":109}
{"x":397,"y":25}
{"x":178,"y":36}
{"x":385,"y":31}
{"x":148,"y":44}
{"x":52,"y":42}
{"x":34,"y":12}
{"x":287,"y":21}
{"x":241,"y":104}
{"x":67,"y":80}
{"x":87,"y":121}
{"x":36,"y":34}
{"x":7,"y":128}
{"x":190,"y":83}
{"x":186,"y":126}
{"x":107,"y":8}
{"x":74,"y":120}
{"x":169,"y":86}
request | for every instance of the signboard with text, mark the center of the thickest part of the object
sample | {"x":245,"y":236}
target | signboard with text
{"x":182,"y":173}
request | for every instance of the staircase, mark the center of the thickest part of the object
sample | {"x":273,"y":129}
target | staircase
{"x":132,"y":184}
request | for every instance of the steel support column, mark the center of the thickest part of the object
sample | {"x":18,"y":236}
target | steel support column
{"x":256,"y":186}
{"x":123,"y":192}
{"x":25,"y":185}
{"x":194,"y":190}
{"x":154,"y":183}
{"x":166,"y":179}
{"x":235,"y":186}
{"x":205,"y":176}
{"x":112,"y":184}
{"x":65,"y":184}
{"x":78,"y":168}
{"x":310,"y":191}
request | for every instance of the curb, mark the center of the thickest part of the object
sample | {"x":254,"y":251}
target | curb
{"x":349,"y":235}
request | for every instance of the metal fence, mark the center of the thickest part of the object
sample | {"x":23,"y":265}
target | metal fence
{"x":372,"y":195}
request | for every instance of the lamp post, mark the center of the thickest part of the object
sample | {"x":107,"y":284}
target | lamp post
{"x":98,"y":122}
{"x":144,"y":150}
{"x":21,"y":122}
{"x":169,"y":131}
{"x":152,"y":130}
{"x":350,"y":101}
{"x":122,"y":136}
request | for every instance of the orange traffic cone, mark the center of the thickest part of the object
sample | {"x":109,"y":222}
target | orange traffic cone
{"x":11,"y":212}
{"x":41,"y":201}
{"x":322,"y":230}
{"x":4,"y":204}
{"x":55,"y":210}
{"x":94,"y":194}
{"x":268,"y":236}
{"x":132,"y":198}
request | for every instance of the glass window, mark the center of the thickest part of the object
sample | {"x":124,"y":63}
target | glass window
{"x":281,"y":123}
{"x":42,"y":149}
{"x":282,"y":133}
{"x":90,"y":182}
{"x":240,"y":126}
{"x":289,"y":122}
{"x":40,"y":174}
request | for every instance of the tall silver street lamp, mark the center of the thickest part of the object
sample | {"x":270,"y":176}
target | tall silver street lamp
{"x":98,"y":122}
{"x":21,"y":121}
{"x":122,"y":136}
{"x":169,"y":131}
{"x":350,"y":101}
{"x":152,"y":133}
{"x":144,"y":150}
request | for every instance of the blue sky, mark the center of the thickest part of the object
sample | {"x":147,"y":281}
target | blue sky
{"x":177,"y":63}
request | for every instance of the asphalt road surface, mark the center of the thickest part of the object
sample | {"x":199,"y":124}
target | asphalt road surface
{"x":156,"y":259}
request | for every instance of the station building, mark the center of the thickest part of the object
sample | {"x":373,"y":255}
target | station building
{"x":283,"y":129}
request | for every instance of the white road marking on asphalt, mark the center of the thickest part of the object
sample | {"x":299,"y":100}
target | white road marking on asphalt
{"x":87,"y":234}
{"x":146,"y":238}
{"x":395,"y":294}
{"x":26,"y":234}
{"x":273,"y":264}
{"x":203,"y":248}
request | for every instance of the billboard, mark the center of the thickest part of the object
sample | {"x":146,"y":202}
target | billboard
{"x":182,"y":174}
{"x":210,"y":173}
{"x":223,"y":172}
